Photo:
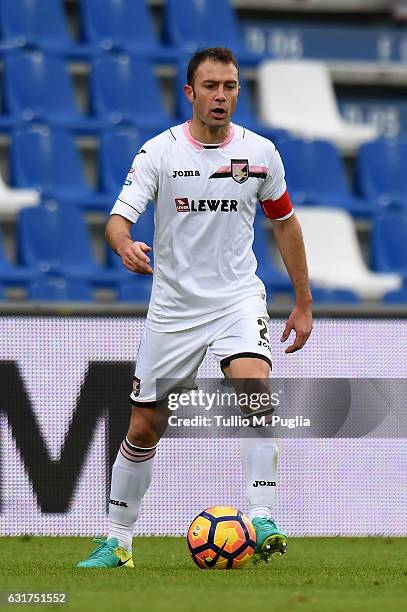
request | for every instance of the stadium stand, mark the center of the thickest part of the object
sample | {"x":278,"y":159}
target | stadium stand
{"x":38,"y":24}
{"x":116,"y":153}
{"x":37,"y":87}
{"x":126,"y":61}
{"x":334,"y":257}
{"x":324,"y":42}
{"x":189,"y":26}
{"x":11,"y":274}
{"x":396,"y":297}
{"x":49,"y":161}
{"x":124,"y":90}
{"x":123,"y":25}
{"x":316,"y":176}
{"x":389,"y":243}
{"x":357,"y":41}
{"x":298,"y":96}
{"x":12,"y":200}
{"x":312,"y":6}
{"x":273,"y":279}
{"x":389,"y":115}
{"x":381,"y":172}
{"x":54,"y":240}
{"x":136,"y":290}
{"x":60,"y":290}
{"x":334,"y":296}
{"x":7,"y":123}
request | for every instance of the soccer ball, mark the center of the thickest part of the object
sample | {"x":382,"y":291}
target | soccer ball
{"x":221,"y":537}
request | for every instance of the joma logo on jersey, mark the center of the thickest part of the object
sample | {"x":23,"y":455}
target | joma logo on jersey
{"x":185,"y":173}
{"x":186,"y":205}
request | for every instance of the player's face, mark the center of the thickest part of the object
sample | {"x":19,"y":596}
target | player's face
{"x":214,"y":93}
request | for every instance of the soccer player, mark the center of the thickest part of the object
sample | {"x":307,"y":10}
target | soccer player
{"x":205,"y":177}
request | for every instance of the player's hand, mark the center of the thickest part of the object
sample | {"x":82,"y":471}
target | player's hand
{"x":134,"y":257}
{"x":300,"y":320}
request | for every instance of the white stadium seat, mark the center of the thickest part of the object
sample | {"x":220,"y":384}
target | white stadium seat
{"x":299,"y":97}
{"x":12,"y":200}
{"x":334,"y":257}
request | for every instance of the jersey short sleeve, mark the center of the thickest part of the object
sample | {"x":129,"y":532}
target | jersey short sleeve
{"x":273,"y":196}
{"x":141,"y":184}
{"x":274,"y":185}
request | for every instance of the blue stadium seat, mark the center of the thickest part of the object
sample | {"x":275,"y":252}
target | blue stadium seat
{"x":196,"y":24}
{"x":396,"y":297}
{"x":122,"y":25}
{"x":9,"y":273}
{"x":389,"y":243}
{"x":381,"y":172}
{"x":273,"y":279}
{"x":37,"y":87}
{"x":142,"y":231}
{"x":7,"y":122}
{"x":59,"y":290}
{"x":55,"y":241}
{"x":315,"y":175}
{"x":138,"y":289}
{"x":49,"y":161}
{"x":243,"y":114}
{"x":124,"y":90}
{"x":38,"y":24}
{"x":116,"y":153}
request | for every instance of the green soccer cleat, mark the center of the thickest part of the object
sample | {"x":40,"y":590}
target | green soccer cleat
{"x":108,"y":554}
{"x":269,"y":540}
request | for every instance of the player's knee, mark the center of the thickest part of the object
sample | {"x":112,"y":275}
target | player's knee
{"x":146,"y":438}
{"x":143,"y":430}
{"x":254,"y":385}
{"x":256,"y":398}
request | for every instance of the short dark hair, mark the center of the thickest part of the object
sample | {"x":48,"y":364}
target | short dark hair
{"x":216,"y":54}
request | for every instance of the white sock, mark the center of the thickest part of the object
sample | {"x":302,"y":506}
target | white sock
{"x":131,"y":477}
{"x":259,"y":455}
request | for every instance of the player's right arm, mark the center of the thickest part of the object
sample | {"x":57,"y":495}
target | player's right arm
{"x":133,"y":254}
{"x":139,"y":187}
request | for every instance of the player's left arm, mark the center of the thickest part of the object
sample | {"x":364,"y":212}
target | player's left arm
{"x":290,"y":243}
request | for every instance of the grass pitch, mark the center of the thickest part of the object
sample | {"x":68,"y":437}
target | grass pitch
{"x":317,"y":574}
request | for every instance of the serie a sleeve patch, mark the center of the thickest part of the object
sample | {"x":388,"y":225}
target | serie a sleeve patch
{"x":276,"y":209}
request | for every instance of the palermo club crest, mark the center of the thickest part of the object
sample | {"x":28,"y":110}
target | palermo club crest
{"x":240,"y":170}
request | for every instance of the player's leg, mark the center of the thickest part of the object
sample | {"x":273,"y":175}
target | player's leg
{"x":259,"y":456}
{"x":175,"y":355}
{"x":244,"y":352}
{"x":131,"y":477}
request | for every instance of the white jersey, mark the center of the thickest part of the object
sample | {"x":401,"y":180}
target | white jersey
{"x":205,"y":201}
